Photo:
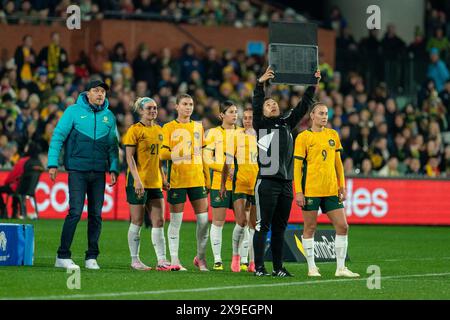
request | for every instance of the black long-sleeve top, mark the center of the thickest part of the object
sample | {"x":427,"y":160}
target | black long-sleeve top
{"x":275,"y":140}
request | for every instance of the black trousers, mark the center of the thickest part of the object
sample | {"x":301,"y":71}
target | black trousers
{"x":15,"y":203}
{"x":80,"y":184}
{"x":273,"y":207}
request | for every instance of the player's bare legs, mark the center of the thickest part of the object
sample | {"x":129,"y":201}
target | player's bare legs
{"x":238,"y":232}
{"x":240,"y":212}
{"x":339,"y":220}
{"x":309,"y":228}
{"x":173,"y":232}
{"x":137,"y":214}
{"x":134,"y":238}
{"x":218,"y":220}
{"x":201,"y":212}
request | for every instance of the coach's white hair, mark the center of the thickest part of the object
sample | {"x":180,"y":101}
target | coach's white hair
{"x":140,"y":102}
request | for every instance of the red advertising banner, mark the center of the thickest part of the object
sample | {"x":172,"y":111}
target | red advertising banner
{"x":53,"y":198}
{"x":369,"y":201}
{"x":396,"y":201}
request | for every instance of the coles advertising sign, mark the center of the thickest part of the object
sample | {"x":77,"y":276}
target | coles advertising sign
{"x":369,"y":201}
{"x":397,"y":201}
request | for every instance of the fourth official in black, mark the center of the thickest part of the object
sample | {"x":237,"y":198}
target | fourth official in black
{"x":273,"y":190}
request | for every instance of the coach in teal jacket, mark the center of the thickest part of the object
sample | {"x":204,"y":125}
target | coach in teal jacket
{"x":88,"y":132}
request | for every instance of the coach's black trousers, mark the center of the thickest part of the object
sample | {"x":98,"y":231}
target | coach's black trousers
{"x":15,"y":203}
{"x":81,"y":184}
{"x":273,"y":206}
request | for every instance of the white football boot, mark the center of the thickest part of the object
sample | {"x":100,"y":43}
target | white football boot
{"x":344,"y":272}
{"x":66,"y":264}
{"x":92,"y":264}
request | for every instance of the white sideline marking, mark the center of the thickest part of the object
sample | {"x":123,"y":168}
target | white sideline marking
{"x":267,"y":285}
{"x":417,"y":259}
{"x":403,"y":259}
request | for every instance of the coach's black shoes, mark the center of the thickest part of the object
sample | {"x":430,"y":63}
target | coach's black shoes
{"x":261,"y":272}
{"x":281,"y":273}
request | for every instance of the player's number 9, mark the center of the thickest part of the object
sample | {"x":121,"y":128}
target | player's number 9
{"x":324,"y":155}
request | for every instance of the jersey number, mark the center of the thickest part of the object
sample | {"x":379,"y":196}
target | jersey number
{"x":154,"y":149}
{"x":324,"y":155}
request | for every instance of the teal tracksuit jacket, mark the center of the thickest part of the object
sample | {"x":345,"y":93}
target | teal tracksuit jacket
{"x":89,"y":135}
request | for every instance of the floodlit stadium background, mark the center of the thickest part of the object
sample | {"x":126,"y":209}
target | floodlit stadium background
{"x":387,"y":100}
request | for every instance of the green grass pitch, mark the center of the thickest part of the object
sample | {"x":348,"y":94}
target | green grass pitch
{"x":414,"y":264}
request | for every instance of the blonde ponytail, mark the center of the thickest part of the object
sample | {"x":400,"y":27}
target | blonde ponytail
{"x":140,"y":102}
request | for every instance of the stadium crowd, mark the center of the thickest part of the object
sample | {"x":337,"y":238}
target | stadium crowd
{"x":382,"y":135}
{"x":211,"y":12}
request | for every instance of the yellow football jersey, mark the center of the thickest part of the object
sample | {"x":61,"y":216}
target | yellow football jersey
{"x":218,"y":141}
{"x":185,"y":143}
{"x":148,"y":141}
{"x":318,"y":150}
{"x":246,"y":162}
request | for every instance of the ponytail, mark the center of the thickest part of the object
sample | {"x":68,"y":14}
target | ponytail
{"x":140,"y":102}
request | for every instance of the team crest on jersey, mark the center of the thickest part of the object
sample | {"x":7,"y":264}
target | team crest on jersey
{"x":197,"y":135}
{"x":331,"y":142}
{"x":160,"y":137}
{"x":105,"y":119}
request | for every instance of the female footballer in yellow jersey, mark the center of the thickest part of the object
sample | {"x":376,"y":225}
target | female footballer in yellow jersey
{"x":218,"y":140}
{"x":187,"y":175}
{"x":145,"y":178}
{"x":244,"y":175}
{"x":320,"y":182}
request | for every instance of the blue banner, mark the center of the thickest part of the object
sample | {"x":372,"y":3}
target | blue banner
{"x":16,"y":244}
